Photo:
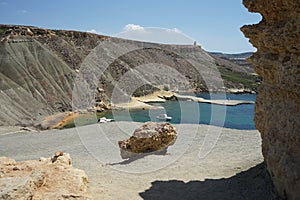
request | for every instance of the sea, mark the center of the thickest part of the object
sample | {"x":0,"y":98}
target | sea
{"x":235,"y":117}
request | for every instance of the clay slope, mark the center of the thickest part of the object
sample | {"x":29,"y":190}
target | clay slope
{"x":34,"y":81}
{"x":147,"y":67}
{"x":37,"y":71}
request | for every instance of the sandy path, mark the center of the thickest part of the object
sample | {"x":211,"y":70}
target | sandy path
{"x":234,"y":152}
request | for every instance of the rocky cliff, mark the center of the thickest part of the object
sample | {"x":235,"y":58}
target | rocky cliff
{"x":48,"y":178}
{"x":39,"y":68}
{"x":277,"y":112}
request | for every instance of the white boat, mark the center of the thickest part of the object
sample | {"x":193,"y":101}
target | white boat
{"x":164,"y":117}
{"x":104,"y":120}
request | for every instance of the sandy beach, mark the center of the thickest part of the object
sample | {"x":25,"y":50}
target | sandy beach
{"x":142,"y":102}
{"x":232,"y":169}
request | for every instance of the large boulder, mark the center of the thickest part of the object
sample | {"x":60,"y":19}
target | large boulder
{"x":47,"y":178}
{"x":149,"y":138}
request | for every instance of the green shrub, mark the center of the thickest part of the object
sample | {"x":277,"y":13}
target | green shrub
{"x":2,"y":30}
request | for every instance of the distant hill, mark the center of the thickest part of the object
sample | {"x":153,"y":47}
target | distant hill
{"x":233,"y":56}
{"x":39,"y":68}
{"x":239,"y":58}
{"x":236,"y":70}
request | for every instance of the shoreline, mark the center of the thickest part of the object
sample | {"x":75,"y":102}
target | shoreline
{"x":163,"y":96}
{"x":66,"y":119}
{"x":10,"y":130}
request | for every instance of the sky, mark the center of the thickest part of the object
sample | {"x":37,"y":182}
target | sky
{"x":214,"y":24}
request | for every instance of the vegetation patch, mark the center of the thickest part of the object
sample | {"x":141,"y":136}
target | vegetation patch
{"x":248,"y":80}
{"x":3,"y":30}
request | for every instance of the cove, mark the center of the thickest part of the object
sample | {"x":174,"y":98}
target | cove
{"x":189,"y":112}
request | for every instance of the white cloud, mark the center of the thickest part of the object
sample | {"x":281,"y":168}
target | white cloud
{"x":156,"y":35}
{"x":133,"y":27}
{"x":95,"y":32}
{"x":136,"y":27}
{"x":92,"y":31}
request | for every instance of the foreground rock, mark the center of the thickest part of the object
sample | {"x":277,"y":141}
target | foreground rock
{"x":277,"y":112}
{"x":149,"y":138}
{"x":48,"y":178}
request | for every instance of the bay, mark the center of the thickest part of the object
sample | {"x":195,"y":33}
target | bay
{"x":235,"y":117}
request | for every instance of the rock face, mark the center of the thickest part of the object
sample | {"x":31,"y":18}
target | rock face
{"x":37,"y":71}
{"x":277,"y":112}
{"x":149,"y":138}
{"x":48,"y":178}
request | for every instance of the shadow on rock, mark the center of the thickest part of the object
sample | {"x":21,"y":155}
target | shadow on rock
{"x":136,"y":156}
{"x":254,"y":183}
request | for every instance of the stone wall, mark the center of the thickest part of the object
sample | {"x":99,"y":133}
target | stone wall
{"x":277,"y":111}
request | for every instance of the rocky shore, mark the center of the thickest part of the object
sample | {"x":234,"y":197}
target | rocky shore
{"x":62,"y":120}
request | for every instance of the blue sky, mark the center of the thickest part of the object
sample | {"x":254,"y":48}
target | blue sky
{"x":214,"y":24}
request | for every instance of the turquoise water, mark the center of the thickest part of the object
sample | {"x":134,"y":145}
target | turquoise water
{"x":236,"y":117}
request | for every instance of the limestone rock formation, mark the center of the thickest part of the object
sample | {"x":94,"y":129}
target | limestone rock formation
{"x":277,"y":112}
{"x":48,"y":178}
{"x":150,"y":137}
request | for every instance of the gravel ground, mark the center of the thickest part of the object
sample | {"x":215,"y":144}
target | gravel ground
{"x":206,"y":162}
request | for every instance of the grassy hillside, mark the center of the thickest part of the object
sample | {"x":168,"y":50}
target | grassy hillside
{"x":236,"y":71}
